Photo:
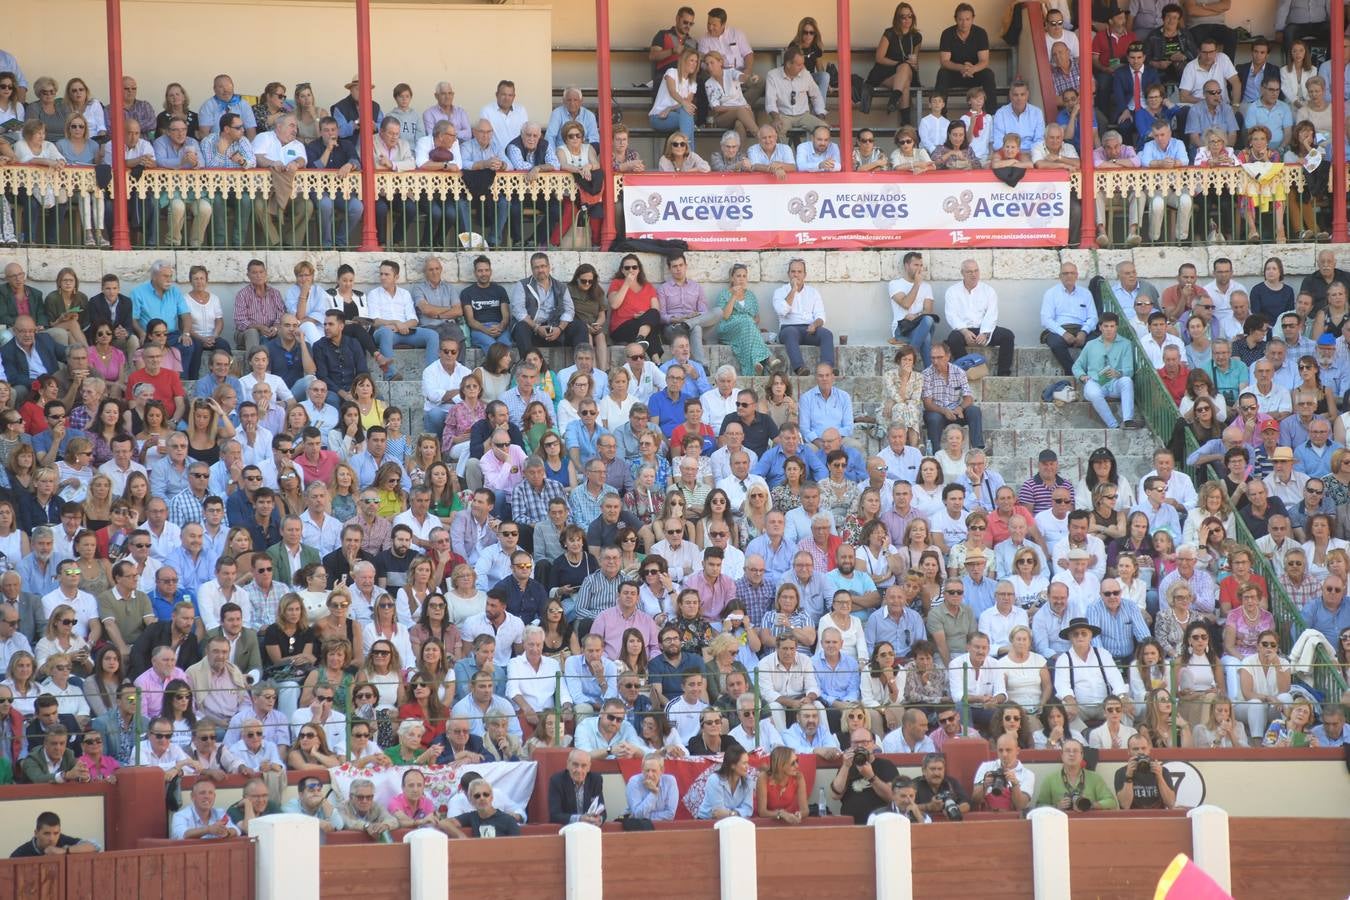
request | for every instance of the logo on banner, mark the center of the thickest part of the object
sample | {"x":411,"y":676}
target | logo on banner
{"x":960,"y":237}
{"x":648,"y":210}
{"x":804,"y":208}
{"x":959,"y":207}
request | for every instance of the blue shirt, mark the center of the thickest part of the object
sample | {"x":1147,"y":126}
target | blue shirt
{"x":42,"y":441}
{"x":693,"y":387}
{"x":668,"y":412}
{"x":839,"y":683}
{"x":809,"y":160}
{"x":475,"y":152}
{"x":781,"y":154}
{"x":163,"y":606}
{"x":817,"y":413}
{"x":208,"y":116}
{"x":777,"y":563}
{"x":1121,"y":630}
{"x":365,"y":467}
{"x":207,"y":384}
{"x":1319,"y":618}
{"x":192,"y":574}
{"x":34,"y":580}
{"x":170,"y":157}
{"x":147,"y":304}
{"x":770,"y":465}
{"x":560,"y":117}
{"x":1175,"y":150}
{"x":1313,"y":462}
{"x":979,"y":597}
{"x":584,"y":440}
{"x":1060,"y":308}
{"x":1278,"y":120}
{"x":1030,"y":125}
{"x":718,"y":795}
{"x":515,"y":158}
{"x":900,"y":635}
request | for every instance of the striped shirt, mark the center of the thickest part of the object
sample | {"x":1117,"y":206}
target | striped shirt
{"x":530,"y":506}
{"x":597,"y":594}
{"x":946,"y":391}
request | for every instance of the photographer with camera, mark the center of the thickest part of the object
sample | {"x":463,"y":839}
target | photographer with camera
{"x":863,"y":784}
{"x":1141,"y":783}
{"x":1004,"y":784}
{"x":903,"y":790}
{"x":1074,"y":788}
{"x":937,"y":794}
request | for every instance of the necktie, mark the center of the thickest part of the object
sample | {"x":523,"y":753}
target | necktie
{"x":1137,"y":91}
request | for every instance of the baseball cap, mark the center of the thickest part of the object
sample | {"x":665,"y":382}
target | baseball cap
{"x":1047,"y":456}
{"x":1266,"y":423}
{"x":1327,"y":340}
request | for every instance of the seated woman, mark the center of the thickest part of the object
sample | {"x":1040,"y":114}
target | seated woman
{"x":780,"y":791}
{"x":729,"y":155}
{"x":1304,"y":151}
{"x":1295,"y":729}
{"x":1264,"y":192}
{"x":729,"y":792}
{"x":956,"y":152}
{"x":679,"y":156}
{"x":1011,"y":155}
{"x":1214,"y":153}
{"x":311,"y":753}
{"x":908,"y":156}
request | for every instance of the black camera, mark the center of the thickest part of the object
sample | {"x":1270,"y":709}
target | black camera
{"x":950,"y":807}
{"x":998,"y":785}
{"x":1142,"y":759}
{"x":862,"y":756}
{"x":1079,"y":802}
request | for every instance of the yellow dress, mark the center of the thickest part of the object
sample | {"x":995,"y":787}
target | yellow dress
{"x":375,"y":416}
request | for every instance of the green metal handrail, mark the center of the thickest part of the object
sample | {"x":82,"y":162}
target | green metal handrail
{"x":1160,"y":412}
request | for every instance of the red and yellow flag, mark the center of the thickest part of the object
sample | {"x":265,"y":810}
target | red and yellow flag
{"x":1184,"y":880}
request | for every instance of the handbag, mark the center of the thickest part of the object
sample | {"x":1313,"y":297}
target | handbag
{"x":974,"y":365}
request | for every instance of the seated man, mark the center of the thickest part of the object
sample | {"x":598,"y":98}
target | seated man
{"x":1208,"y":65}
{"x":201,"y":819}
{"x":1213,"y":115}
{"x":791,"y":96}
{"x":1106,"y":369}
{"x":1018,"y":117}
{"x":176,"y":149}
{"x":339,"y":217}
{"x":1068,"y":317}
{"x":963,"y":55}
{"x":819,"y":154}
{"x":394,"y":316}
{"x":1077,"y":788}
{"x":531,"y":154}
{"x":801,"y":319}
{"x":49,"y":841}
{"x":769,"y":155}
{"x":572,"y":111}
{"x":280,"y":151}
{"x":440,"y":151}
{"x":972,"y":312}
{"x":947,"y":399}
{"x":1166,"y":152}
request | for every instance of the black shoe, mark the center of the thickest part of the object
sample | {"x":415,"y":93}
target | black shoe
{"x":865,"y":99}
{"x":894,"y":103}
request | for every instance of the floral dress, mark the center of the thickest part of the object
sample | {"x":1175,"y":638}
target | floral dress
{"x":741,"y":331}
{"x":838,"y":497}
{"x":907,"y":402}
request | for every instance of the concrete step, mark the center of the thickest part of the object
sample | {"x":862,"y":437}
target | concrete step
{"x":1069,"y":443}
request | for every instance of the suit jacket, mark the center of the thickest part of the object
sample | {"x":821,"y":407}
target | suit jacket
{"x":16,"y":363}
{"x":99,"y":312}
{"x":34,"y":768}
{"x":1122,"y":87}
{"x":9,"y":306}
{"x":155,"y":635}
{"x":36,"y":733}
{"x":199,"y":675}
{"x":282,"y":562}
{"x":1270,"y":71}
{"x":562,"y":796}
{"x":31,"y":621}
{"x":247,"y":655}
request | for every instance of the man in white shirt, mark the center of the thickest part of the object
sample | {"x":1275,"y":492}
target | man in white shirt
{"x":506,"y":116}
{"x":120,"y":467}
{"x":738,"y":483}
{"x":532,"y":681}
{"x":1210,"y":65}
{"x":902,"y":461}
{"x":1223,"y":286}
{"x":440,"y":386}
{"x":1079,"y":539}
{"x":733,"y":437}
{"x":322,"y":415}
{"x":801,"y":319}
{"x":912,"y":315}
{"x":975,"y":679}
{"x":971,"y":308}
{"x":68,"y":592}
{"x":719,"y":401}
{"x":791,"y":96}
{"x":321,"y":713}
{"x":787,"y":680}
{"x":1085,"y":675}
{"x":280,"y":151}
{"x":221,"y":590}
{"x":1084,"y":587}
{"x":394,"y":316}
{"x":911,"y":736}
{"x":737,"y":53}
{"x":1271,"y":399}
{"x":1180,"y":493}
{"x":1157,"y":337}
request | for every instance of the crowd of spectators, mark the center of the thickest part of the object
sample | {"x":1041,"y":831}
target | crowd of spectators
{"x":656,"y":560}
{"x":1169,"y":92}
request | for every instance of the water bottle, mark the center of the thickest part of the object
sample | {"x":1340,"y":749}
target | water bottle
{"x":821,"y":808}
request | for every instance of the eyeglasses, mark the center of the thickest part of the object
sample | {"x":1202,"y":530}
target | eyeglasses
{"x":327,"y":699}
{"x":482,"y":795}
{"x":379,"y":653}
{"x":585,"y":282}
{"x":673,"y":144}
{"x":628,"y":268}
{"x":200,"y":737}
{"x":905,"y":142}
{"x":953,"y":592}
{"x":946,"y":720}
{"x":1062,"y":502}
{"x":1012,"y":718}
{"x":634,"y":357}
{"x":614,"y":718}
{"x":164,"y":736}
{"x":244,"y":733}
{"x":259,"y":569}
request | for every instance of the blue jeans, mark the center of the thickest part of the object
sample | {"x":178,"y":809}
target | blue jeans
{"x":428,"y":340}
{"x":1097,"y":394}
{"x":970,"y":416}
{"x":677,"y":119}
{"x":793,"y":336}
{"x":337,"y":232}
{"x":190,"y":353}
{"x":921,"y":338}
{"x":433,"y":421}
{"x":450,"y":215}
{"x":483,"y":341}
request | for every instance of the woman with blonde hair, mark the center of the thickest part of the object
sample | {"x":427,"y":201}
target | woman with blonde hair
{"x":79,"y":148}
{"x":679,"y":156}
{"x":780,"y":791}
{"x":343,"y":490}
{"x":1222,"y":728}
{"x":59,"y":639}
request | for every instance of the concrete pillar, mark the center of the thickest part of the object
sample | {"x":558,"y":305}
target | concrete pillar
{"x":895,"y":863}
{"x":429,"y":858}
{"x":1209,"y":843}
{"x":736,"y":854}
{"x":1050,"y":853}
{"x":583,"y":859}
{"x":287,"y":858}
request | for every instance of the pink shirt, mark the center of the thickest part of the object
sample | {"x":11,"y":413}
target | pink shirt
{"x":400,"y":805}
{"x":100,"y":771}
{"x":713,"y":597}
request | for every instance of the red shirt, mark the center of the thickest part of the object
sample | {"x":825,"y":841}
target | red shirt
{"x":320,"y":471}
{"x":1175,"y":386}
{"x":1107,"y":46}
{"x":415,"y":711}
{"x":34,"y":419}
{"x":635,"y":303}
{"x":167,"y":386}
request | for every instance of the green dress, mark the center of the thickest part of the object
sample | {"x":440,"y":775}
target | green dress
{"x":741,"y":331}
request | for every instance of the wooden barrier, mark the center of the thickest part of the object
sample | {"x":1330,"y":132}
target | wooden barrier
{"x":988,"y":859}
{"x":804,"y":861}
{"x":370,"y":872}
{"x":1123,"y":857}
{"x":33,"y":879}
{"x":1290,"y":857}
{"x":203,"y":870}
{"x":640,"y":865}
{"x":509,"y":868}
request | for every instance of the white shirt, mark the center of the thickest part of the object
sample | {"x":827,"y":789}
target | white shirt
{"x":1086,"y":684}
{"x":281,"y":393}
{"x":1081,"y":594}
{"x":737,"y":488}
{"x":807,"y":306}
{"x":1093,"y":545}
{"x":720,"y":460}
{"x":119,"y":477}
{"x":974,"y":309}
{"x":900,"y":287}
{"x":1154,"y":351}
{"x":335,"y":729}
{"x":168,"y":540}
{"x":769,"y":738}
{"x":205,"y":315}
{"x":325,"y":537}
{"x":267,"y":751}
{"x":895,"y":743}
{"x":1193,"y":77}
{"x":1026,"y":778}
{"x":1100,"y":737}
{"x":537,"y":686}
{"x":716,"y":407}
{"x":395,"y":307}
{"x":84,"y":604}
{"x":269,"y":145}
{"x":997,"y":626}
{"x":1179,"y":488}
{"x":210,"y":599}
{"x":436,"y":382}
{"x":1052,"y":528}
{"x":421,"y":530}
{"x":426,"y":143}
{"x":505,"y":125}
{"x":509,"y":633}
{"x":965,"y":679}
{"x":1223,"y":300}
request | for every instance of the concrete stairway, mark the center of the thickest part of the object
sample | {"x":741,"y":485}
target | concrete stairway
{"x":1018,"y":425}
